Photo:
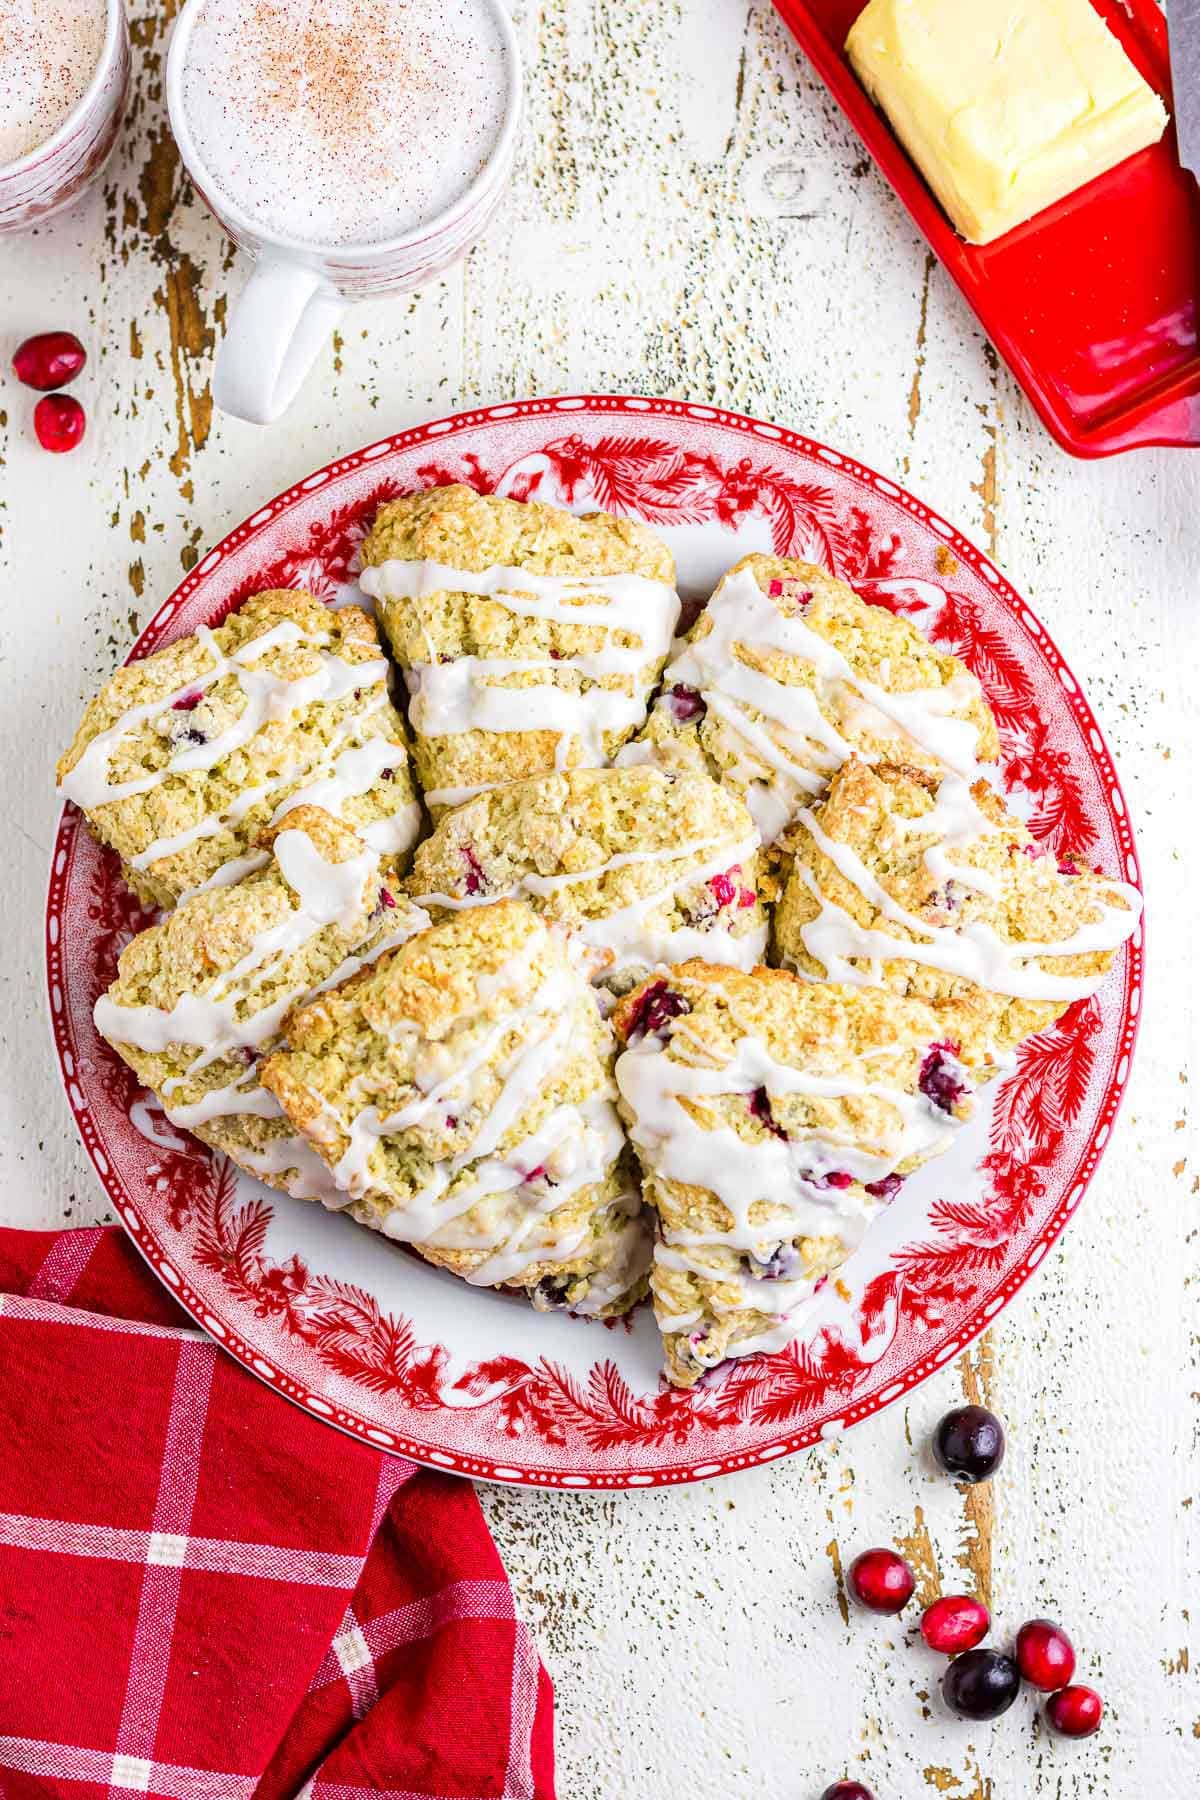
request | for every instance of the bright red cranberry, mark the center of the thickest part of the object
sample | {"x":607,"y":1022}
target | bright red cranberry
{"x":955,"y":1623}
{"x":847,"y":1790}
{"x":59,"y":422}
{"x":969,"y":1443}
{"x":980,"y":1684}
{"x":1045,"y":1655}
{"x":1075,"y":1712}
{"x":724,"y":890}
{"x":887,"y":1188}
{"x":881,"y":1581}
{"x":187,"y":702}
{"x":49,"y":360}
{"x":651,"y":1010}
{"x":941,"y":1078}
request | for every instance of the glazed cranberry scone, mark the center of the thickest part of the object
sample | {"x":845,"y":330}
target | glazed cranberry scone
{"x":643,"y":869}
{"x":786,"y":673}
{"x":529,"y":639}
{"x":459,"y":1091}
{"x":183,"y":760}
{"x":928,"y":886}
{"x":199,"y":999}
{"x":772,"y":1118}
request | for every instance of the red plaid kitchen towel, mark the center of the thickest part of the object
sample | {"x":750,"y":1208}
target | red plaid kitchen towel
{"x":207,"y":1595}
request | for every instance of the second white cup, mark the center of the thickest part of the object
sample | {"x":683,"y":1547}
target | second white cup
{"x":352,"y":147}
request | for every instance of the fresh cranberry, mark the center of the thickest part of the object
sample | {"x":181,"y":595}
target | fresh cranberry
{"x":941,"y":1079}
{"x":1045,"y":1655}
{"x":955,"y":1623}
{"x":651,"y":1010}
{"x":760,"y":1107}
{"x":838,"y":1178}
{"x":969,"y":1443}
{"x":801,"y":596}
{"x":1075,"y":1712}
{"x":49,"y":360}
{"x":60,"y":422}
{"x":886,"y":1188}
{"x":981,"y":1684}
{"x":187,"y":702}
{"x":686,"y":702}
{"x":847,"y":1790}
{"x":881,"y":1581}
{"x":476,"y":881}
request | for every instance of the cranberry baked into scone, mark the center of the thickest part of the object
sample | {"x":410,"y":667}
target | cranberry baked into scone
{"x":200,"y":998}
{"x":643,"y":869}
{"x":530,"y":639}
{"x":183,"y":760}
{"x":459,"y":1091}
{"x":927,"y":885}
{"x":786,"y":673}
{"x":771,"y":1118}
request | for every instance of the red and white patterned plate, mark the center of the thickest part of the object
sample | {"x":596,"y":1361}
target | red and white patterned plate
{"x":360,"y":1332}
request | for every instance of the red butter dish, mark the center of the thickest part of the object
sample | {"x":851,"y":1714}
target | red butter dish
{"x":1093,"y":303}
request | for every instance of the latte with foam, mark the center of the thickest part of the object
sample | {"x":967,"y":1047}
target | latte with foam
{"x":49,"y":52}
{"x":340,"y":122}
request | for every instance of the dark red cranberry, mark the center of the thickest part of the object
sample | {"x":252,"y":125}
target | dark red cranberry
{"x":551,"y":1292}
{"x":981,"y":1684}
{"x":969,"y":1443}
{"x":652,"y":1009}
{"x":941,"y":1079}
{"x":1075,"y":1712}
{"x":955,"y":1623}
{"x":187,"y":702}
{"x":686,"y":702}
{"x":193,"y":735}
{"x":387,"y":774}
{"x":49,"y":360}
{"x":887,"y":1188}
{"x":1045,"y":1655}
{"x":847,"y":1790}
{"x":476,"y":880}
{"x":781,"y":1265}
{"x":760,"y":1106}
{"x":881,"y":1581}
{"x":385,"y":898}
{"x":60,"y":422}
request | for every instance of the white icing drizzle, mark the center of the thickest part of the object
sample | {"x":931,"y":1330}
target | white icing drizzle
{"x":267,"y":696}
{"x":456,"y":796}
{"x":972,"y":950}
{"x":784,"y":1173}
{"x":463,"y":695}
{"x":802,"y":748}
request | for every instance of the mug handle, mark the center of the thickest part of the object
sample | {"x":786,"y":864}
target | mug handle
{"x":282,"y":317}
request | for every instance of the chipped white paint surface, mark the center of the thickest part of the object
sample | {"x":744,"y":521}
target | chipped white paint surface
{"x":695,"y":1637}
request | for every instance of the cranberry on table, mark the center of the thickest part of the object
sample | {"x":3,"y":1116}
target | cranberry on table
{"x":847,"y":1790}
{"x":981,"y":1684}
{"x":969,"y":1443}
{"x":1045,"y":1655}
{"x":955,"y":1623}
{"x":49,"y":360}
{"x":881,"y":1581}
{"x":59,"y":422}
{"x":1075,"y":1712}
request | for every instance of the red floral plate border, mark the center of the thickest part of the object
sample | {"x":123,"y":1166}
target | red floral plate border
{"x":363,"y":1335}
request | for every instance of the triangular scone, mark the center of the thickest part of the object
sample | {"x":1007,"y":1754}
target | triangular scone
{"x":530,"y":639}
{"x":771,"y":1118}
{"x":787,"y":672}
{"x":184,"y":759}
{"x":200,"y":998}
{"x":460,"y":1092}
{"x":642,"y":868}
{"x":929,"y":886}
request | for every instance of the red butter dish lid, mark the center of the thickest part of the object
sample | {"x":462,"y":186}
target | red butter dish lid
{"x":1092,"y":303}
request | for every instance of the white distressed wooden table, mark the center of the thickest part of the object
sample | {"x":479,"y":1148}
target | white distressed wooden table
{"x":696,"y":1637}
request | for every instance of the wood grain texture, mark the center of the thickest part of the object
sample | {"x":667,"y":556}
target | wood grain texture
{"x":691,"y":217}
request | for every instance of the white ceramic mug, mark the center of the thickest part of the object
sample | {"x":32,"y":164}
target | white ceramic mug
{"x":298,"y":292}
{"x":55,"y":172}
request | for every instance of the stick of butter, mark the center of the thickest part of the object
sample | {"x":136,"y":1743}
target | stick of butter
{"x":1005,"y":105}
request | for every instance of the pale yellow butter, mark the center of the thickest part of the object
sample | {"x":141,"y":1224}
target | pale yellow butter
{"x":1004,"y":105}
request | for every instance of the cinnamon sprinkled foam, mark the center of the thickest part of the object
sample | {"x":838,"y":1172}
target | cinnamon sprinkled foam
{"x":49,"y":51}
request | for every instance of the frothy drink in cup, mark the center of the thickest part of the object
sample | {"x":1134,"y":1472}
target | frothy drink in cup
{"x":49,"y":52}
{"x":343,"y":122}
